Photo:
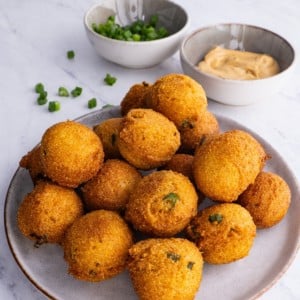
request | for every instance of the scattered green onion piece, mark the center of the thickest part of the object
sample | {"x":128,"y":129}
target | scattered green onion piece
{"x":76,"y":92}
{"x":107,"y":106}
{"x":63,"y":92}
{"x":54,"y":106}
{"x":41,"y":100}
{"x":70,"y":54}
{"x":110,"y":80}
{"x":39,"y":88}
{"x":92,"y":103}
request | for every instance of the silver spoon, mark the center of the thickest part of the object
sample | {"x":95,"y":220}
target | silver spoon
{"x":129,"y":11}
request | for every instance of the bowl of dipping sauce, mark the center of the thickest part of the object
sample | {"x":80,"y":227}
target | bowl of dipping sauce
{"x":153,"y":36}
{"x":237,"y":64}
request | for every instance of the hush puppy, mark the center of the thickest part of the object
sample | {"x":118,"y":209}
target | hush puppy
{"x":71,"y":153}
{"x":108,"y":132}
{"x":223,"y":232}
{"x":162,"y":204}
{"x":147,"y":139}
{"x":267,"y":199}
{"x":110,"y":188}
{"x":168,"y":269}
{"x":179,"y":97}
{"x":135,"y":97}
{"x":32,"y":162}
{"x":194,"y":134}
{"x":96,"y":246}
{"x":225,"y":165}
{"x":47,"y":211}
{"x":181,"y":163}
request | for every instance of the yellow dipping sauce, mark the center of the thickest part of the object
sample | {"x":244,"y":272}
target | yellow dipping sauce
{"x":237,"y":64}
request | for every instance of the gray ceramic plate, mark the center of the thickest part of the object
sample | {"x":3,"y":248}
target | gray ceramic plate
{"x":272,"y":253}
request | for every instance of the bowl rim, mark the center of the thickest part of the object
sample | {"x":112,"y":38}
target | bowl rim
{"x":122,"y":42}
{"x":240,"y":81}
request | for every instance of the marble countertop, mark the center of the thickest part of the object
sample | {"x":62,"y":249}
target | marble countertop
{"x":34,"y":38}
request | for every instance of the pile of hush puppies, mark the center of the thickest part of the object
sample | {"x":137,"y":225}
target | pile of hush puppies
{"x":146,"y":172}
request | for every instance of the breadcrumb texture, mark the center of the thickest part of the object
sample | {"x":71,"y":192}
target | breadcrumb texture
{"x":71,"y":153}
{"x":96,"y":246}
{"x":267,"y":199}
{"x":226,"y":240}
{"x":169,"y":269}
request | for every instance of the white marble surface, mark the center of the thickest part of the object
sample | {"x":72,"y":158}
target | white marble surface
{"x":34,"y":38}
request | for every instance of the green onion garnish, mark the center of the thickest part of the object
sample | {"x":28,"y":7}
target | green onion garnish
{"x":63,"y":92}
{"x":70,"y":54}
{"x":54,"y":106}
{"x":92,"y":103}
{"x":76,"y":92}
{"x":110,"y":80}
{"x":39,"y":88}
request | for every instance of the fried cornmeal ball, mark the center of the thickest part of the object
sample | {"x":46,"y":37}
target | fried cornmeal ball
{"x":194,"y":134}
{"x":147,"y":139}
{"x":47,"y":211}
{"x":225,"y":165}
{"x":108,"y":132}
{"x":267,"y":199}
{"x":162,"y":204}
{"x":179,"y":97}
{"x":96,"y":246}
{"x":223,"y":232}
{"x":71,"y":153}
{"x":181,"y":163}
{"x":32,"y":162}
{"x":135,"y":97}
{"x":168,"y":269}
{"x":110,"y":188}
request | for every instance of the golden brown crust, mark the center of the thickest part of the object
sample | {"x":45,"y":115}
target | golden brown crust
{"x":223,"y":232}
{"x":169,"y":269}
{"x":162,"y":203}
{"x":192,"y":135}
{"x":225,"y":165}
{"x":267,"y":199}
{"x":32,"y":162}
{"x":147,"y":139}
{"x":110,"y":188}
{"x":179,"y":97}
{"x":135,"y":97}
{"x":96,"y":246}
{"x":108,"y":132}
{"x":47,"y":211}
{"x":181,"y":163}
{"x":71,"y":153}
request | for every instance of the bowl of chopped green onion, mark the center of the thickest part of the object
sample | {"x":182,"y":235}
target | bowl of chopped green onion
{"x":149,"y":38}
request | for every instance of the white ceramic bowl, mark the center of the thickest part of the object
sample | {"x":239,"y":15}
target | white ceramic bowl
{"x":144,"y":53}
{"x":237,"y":36}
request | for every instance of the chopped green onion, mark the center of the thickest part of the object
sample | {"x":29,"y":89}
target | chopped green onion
{"x":63,"y":92}
{"x":215,"y":218}
{"x":190,"y":265}
{"x":54,"y":106}
{"x":41,"y":100}
{"x":76,"y":92}
{"x":92,"y":103}
{"x":107,"y":106}
{"x":173,"y":256}
{"x":110,"y":80}
{"x":137,"y":31}
{"x":70,"y":54}
{"x":171,"y":199}
{"x":39,"y":88}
